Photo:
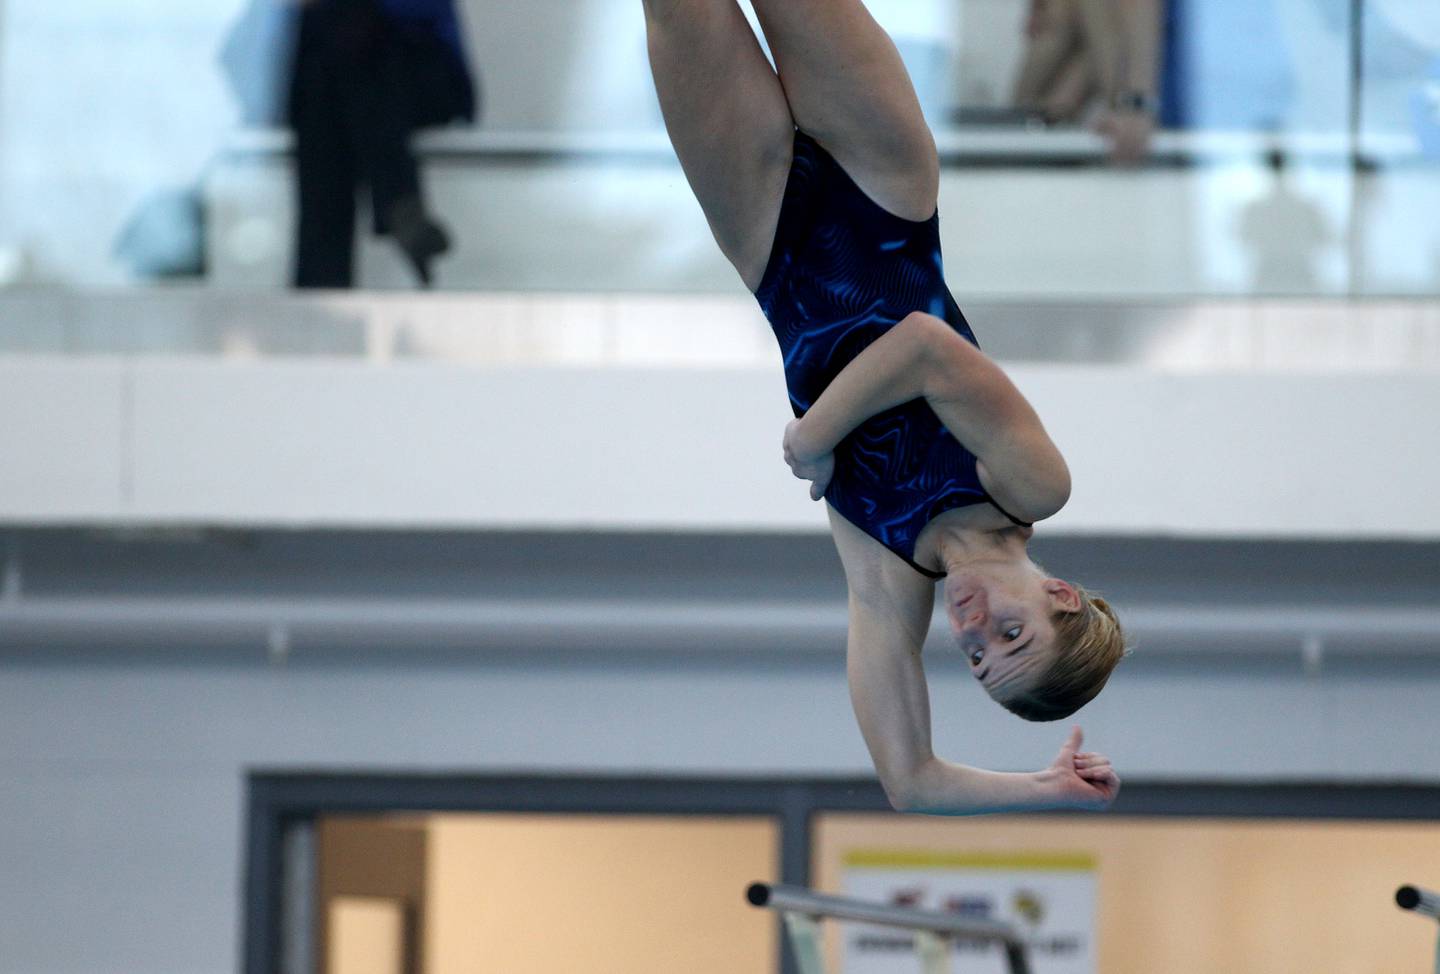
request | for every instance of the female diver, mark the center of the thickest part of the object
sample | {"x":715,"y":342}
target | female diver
{"x":819,"y":179}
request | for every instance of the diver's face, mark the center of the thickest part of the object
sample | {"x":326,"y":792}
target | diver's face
{"x":1002,"y":622}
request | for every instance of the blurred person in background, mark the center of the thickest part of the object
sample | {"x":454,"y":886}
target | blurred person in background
{"x":1285,"y":234}
{"x":366,"y":75}
{"x":1096,"y":61}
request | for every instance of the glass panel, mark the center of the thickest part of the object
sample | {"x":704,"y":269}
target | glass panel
{"x":109,"y":111}
{"x":1397,"y":238}
{"x":146,"y":144}
{"x":706,"y":331}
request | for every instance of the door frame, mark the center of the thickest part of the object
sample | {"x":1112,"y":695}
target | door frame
{"x":277,"y":802}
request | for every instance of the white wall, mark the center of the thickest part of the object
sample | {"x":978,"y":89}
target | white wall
{"x":331,"y":443}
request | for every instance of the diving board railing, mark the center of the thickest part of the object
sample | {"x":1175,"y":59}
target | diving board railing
{"x":803,"y":910}
{"x":1424,"y":902}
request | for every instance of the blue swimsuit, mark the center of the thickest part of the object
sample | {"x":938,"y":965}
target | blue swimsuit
{"x":843,"y":271}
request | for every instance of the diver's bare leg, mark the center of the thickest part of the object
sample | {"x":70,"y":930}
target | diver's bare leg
{"x":728,"y":119}
{"x":849,"y":89}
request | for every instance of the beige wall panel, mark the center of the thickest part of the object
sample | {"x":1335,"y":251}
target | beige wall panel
{"x":367,"y":936}
{"x":1202,"y":896}
{"x":611,"y":895}
{"x":372,"y":858}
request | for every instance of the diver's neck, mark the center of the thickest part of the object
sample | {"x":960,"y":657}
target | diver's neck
{"x":961,"y":551}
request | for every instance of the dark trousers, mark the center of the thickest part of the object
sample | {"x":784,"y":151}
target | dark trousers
{"x":353,"y":117}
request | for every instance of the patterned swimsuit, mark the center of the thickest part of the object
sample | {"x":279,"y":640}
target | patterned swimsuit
{"x":844,"y":271}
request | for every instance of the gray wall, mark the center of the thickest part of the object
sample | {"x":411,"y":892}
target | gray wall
{"x":123,"y":766}
{"x":122,"y":810}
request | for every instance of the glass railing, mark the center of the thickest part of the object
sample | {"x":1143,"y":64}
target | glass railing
{"x":144,"y":146}
{"x":675,"y":331}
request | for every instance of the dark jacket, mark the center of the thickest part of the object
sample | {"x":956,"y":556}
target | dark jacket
{"x":424,"y":37}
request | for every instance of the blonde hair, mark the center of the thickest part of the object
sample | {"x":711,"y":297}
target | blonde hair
{"x":1091,"y":644}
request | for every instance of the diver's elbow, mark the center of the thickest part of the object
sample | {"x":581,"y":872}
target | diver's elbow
{"x":905,"y":791}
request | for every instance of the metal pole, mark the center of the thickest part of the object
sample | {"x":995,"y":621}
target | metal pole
{"x":1015,"y":955}
{"x":1355,"y":280}
{"x":798,"y":900}
{"x":805,"y":940}
{"x":1424,"y":902}
{"x":1417,"y":900}
{"x":934,"y":952}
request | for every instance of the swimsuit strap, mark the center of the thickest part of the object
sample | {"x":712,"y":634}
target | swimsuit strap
{"x":1010,"y":517}
{"x":939,"y":575}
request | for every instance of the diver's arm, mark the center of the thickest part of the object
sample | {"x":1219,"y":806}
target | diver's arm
{"x":923,"y":357}
{"x":890,"y":609}
{"x":889,"y":372}
{"x":891,"y":700}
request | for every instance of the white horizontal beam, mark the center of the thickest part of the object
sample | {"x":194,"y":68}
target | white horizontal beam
{"x":434,"y":446}
{"x":979,"y":141}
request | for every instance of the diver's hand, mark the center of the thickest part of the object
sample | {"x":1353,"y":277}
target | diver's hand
{"x":1080,"y":779}
{"x":806,"y":464}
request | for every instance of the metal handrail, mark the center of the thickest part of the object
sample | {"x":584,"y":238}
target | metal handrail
{"x":795,"y":900}
{"x":1417,"y":900}
{"x":1424,"y":902}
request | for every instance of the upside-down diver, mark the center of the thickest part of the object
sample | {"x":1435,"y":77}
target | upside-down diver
{"x":819,"y":178}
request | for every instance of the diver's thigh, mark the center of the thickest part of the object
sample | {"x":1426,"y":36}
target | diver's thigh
{"x":847,"y":86}
{"x":728,"y":120}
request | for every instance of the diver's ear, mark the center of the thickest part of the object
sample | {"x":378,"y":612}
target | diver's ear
{"x":1062,"y":594}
